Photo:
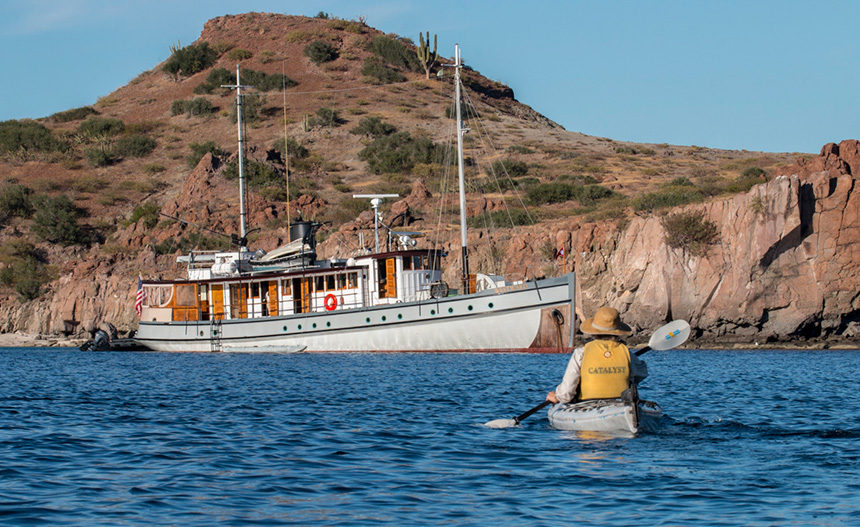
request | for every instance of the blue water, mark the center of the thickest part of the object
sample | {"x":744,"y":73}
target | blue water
{"x":749,"y":439}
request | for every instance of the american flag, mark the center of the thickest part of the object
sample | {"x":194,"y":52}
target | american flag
{"x":141,"y":296}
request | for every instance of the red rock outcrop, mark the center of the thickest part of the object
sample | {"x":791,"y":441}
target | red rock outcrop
{"x":786,"y":267}
{"x":842,"y":158}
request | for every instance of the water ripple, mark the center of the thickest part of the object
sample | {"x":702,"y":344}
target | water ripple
{"x":362,"y":439}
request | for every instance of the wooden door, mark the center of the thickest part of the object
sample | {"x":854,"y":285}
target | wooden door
{"x":217,"y":292}
{"x":307,"y":290}
{"x":391,"y":278}
{"x":273,"y":298}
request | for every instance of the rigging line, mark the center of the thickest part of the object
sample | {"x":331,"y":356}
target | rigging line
{"x":484,"y":133}
{"x":481,"y":128}
{"x":443,"y":196}
{"x":485,"y":217}
{"x":442,"y":193}
{"x":444,"y":182}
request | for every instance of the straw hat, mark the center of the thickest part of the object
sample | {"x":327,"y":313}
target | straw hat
{"x":606,"y":322}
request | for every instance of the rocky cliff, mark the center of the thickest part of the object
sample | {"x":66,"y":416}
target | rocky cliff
{"x":785,"y":269}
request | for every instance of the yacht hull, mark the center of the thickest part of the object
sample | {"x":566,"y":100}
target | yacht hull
{"x":506,"y":319}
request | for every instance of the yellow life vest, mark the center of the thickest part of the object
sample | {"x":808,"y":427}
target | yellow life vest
{"x":605,"y":371}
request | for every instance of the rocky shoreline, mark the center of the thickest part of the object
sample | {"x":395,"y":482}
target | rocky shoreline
{"x":23,"y":340}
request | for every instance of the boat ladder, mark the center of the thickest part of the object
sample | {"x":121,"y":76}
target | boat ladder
{"x":215,"y":334}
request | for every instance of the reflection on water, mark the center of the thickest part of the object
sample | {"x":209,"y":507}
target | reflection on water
{"x":596,"y":437}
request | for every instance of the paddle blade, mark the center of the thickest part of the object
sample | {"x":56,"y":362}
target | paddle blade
{"x":669,"y":336}
{"x":501,"y":423}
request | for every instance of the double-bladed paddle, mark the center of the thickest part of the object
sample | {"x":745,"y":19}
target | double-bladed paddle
{"x":667,"y":337}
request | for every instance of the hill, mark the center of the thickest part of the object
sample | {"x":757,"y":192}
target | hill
{"x":360,"y":116}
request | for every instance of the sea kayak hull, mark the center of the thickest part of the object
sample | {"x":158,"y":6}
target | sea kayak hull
{"x":605,"y":415}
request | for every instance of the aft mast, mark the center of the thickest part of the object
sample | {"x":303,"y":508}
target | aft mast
{"x":461,"y":130}
{"x":243,"y":222}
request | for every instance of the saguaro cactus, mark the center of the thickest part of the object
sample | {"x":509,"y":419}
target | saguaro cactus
{"x":425,"y":56}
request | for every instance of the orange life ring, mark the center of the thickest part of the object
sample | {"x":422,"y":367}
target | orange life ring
{"x":330,"y":302}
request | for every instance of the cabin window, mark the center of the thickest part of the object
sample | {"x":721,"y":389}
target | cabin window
{"x":352,"y":280}
{"x":285,"y":288}
{"x":431,"y":262}
{"x":255,"y":290}
{"x":407,"y":263}
{"x":319,"y":287}
{"x":329,"y":283}
{"x":185,"y":295}
{"x":341,"y":281}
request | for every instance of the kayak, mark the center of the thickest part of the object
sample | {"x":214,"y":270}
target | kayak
{"x":605,"y":415}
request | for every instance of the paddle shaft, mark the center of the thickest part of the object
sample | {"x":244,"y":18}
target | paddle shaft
{"x":530,"y":412}
{"x":643,"y":351}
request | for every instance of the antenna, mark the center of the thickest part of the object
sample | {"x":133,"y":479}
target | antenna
{"x":243,"y":223}
{"x":375,"y":202}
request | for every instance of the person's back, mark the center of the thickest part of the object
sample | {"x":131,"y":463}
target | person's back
{"x":604,"y":368}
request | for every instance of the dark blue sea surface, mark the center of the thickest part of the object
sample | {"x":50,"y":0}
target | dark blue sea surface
{"x":749,"y":438}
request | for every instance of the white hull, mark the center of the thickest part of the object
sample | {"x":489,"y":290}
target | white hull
{"x":605,"y":415}
{"x":506,"y":319}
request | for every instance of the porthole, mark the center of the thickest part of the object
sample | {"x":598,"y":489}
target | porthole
{"x":285,"y":328}
{"x":490,"y":305}
{"x":314,"y":325}
{"x":383,"y":318}
{"x":450,"y":310}
{"x":201,"y":333}
{"x":367,"y":320}
{"x":399,"y":316}
{"x":300,"y":327}
{"x":432,"y":311}
{"x":328,"y":324}
{"x":470,"y":308}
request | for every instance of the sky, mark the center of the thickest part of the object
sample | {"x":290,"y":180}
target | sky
{"x":773,"y":76}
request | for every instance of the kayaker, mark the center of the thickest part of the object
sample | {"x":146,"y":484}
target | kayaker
{"x":604,"y":367}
